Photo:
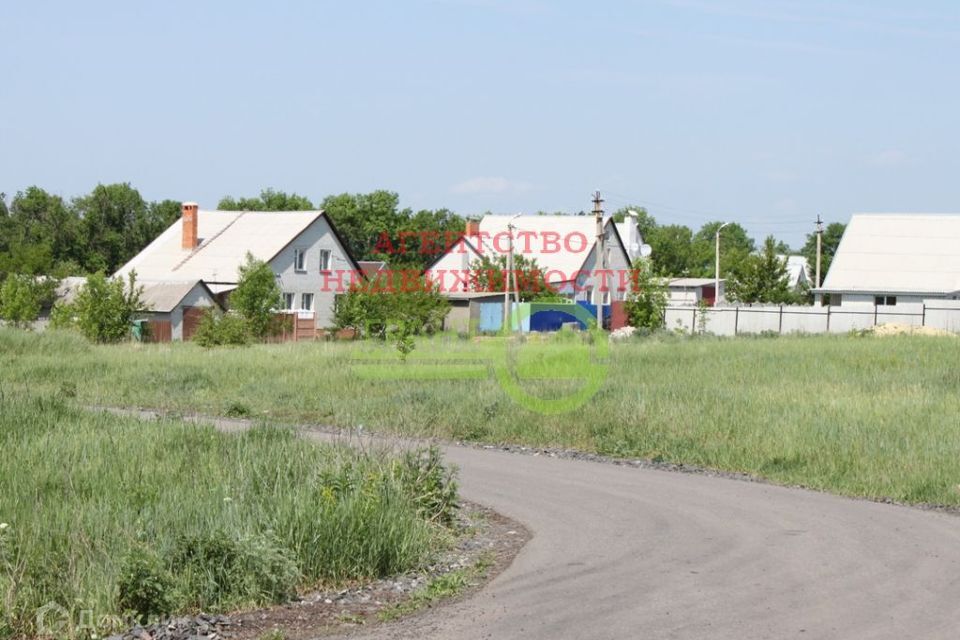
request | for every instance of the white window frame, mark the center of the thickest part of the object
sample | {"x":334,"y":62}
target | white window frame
{"x":304,"y":297}
{"x":288,"y":301}
{"x":326,"y":259}
{"x":300,"y":260}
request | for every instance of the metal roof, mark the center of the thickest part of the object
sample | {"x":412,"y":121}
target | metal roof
{"x":897,"y":252}
{"x":225,"y":237}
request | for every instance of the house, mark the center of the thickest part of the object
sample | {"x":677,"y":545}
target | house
{"x":173,"y":309}
{"x":895,"y":260}
{"x":311,"y":263}
{"x":564,"y":248}
{"x":690,"y":291}
{"x":798,"y":272}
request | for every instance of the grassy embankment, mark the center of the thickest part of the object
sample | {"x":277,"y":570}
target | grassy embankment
{"x":109,"y":515}
{"x":862,"y":416}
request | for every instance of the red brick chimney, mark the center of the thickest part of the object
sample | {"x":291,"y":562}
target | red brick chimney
{"x":473,"y":228}
{"x":189,"y":224}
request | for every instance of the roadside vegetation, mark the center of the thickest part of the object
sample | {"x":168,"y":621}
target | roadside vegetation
{"x":118,"y":517}
{"x":861,"y":416}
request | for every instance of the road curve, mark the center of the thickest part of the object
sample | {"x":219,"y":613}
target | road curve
{"x":636,"y":553}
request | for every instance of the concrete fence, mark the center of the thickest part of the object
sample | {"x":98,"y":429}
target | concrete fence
{"x":785,"y":319}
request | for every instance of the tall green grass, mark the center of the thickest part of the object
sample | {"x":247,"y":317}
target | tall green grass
{"x":112,"y":515}
{"x":863,"y":416}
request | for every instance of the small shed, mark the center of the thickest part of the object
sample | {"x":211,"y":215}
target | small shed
{"x":173,"y":309}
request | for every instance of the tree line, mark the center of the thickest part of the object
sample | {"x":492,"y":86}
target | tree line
{"x":753,"y":273}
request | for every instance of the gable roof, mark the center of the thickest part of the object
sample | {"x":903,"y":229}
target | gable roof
{"x":163,"y":297}
{"x":225,"y":237}
{"x":529,"y":238}
{"x":798,"y":270}
{"x":897,"y":253}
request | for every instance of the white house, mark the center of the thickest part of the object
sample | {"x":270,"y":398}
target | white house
{"x":798,"y":271}
{"x":311,"y":263}
{"x":564,"y":247}
{"x":895,"y":260}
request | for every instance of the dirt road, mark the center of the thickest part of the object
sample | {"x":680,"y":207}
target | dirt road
{"x":635,"y":553}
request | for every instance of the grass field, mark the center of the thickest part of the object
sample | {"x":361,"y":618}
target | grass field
{"x":861,"y":416}
{"x":112,"y":516}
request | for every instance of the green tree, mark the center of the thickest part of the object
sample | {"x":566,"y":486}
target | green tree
{"x":268,"y":200}
{"x":257,"y":296}
{"x":831,"y":240}
{"x":38,"y":234}
{"x":105,"y":307}
{"x":487,"y":274}
{"x":22,"y":297}
{"x":648,"y":298}
{"x":763,"y":277}
{"x":672,"y":250}
{"x":364,"y":219}
{"x":645,"y":222}
{"x":392,"y":307}
{"x":115,"y":225}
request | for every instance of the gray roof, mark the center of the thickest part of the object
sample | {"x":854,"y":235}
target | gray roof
{"x":163,"y":297}
{"x":897,"y":252}
{"x":225,"y":238}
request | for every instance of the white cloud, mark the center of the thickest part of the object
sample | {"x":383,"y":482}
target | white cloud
{"x":488,"y":185}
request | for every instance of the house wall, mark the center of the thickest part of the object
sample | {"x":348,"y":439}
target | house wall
{"x":197,"y":297}
{"x":458,"y":317}
{"x":617,"y":262}
{"x":324,"y":286}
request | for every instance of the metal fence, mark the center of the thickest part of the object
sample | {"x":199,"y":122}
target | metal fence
{"x":785,"y":319}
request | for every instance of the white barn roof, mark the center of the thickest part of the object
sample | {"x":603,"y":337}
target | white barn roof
{"x":897,"y":253}
{"x":224,"y":237}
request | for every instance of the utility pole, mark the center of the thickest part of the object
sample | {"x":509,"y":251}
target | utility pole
{"x":598,"y":213}
{"x":819,"y":247}
{"x":716,"y":273}
{"x":506,"y":283}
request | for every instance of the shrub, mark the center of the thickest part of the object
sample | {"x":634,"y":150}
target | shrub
{"x":144,"y":587}
{"x":257,"y":296}
{"x":647,"y":301}
{"x":105,"y":307}
{"x":217,"y":328}
{"x":430,"y":484}
{"x":22,"y":297}
{"x":387,"y":309}
{"x":218,"y":570}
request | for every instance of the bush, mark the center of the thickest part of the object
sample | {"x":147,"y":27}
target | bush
{"x":257,"y":296}
{"x":22,"y":297}
{"x":647,"y":301}
{"x":145,"y":587}
{"x":431,"y":485}
{"x":381,"y":310}
{"x":217,"y":328}
{"x":217,"y":570}
{"x":104,"y":307}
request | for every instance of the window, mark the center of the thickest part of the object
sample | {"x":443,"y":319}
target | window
{"x":324,"y":260}
{"x":288,"y":301}
{"x":299,"y":260}
{"x":888,"y":301}
{"x":306,"y":302}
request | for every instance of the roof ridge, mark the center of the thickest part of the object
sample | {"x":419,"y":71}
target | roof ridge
{"x":207,"y":243}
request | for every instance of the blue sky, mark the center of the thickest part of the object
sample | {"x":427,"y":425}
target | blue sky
{"x":767,"y":112}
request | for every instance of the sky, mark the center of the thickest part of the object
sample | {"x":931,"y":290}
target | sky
{"x":767,"y":112}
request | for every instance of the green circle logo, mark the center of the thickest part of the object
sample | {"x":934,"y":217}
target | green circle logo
{"x":577,"y":366}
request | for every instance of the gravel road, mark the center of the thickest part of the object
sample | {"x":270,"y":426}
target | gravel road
{"x":640,"y":553}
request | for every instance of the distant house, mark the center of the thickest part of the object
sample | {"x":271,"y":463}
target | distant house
{"x":564,"y":248}
{"x":629,"y":231}
{"x":798,"y":271}
{"x":202,"y":252}
{"x":892,"y":260}
{"x":690,"y":291}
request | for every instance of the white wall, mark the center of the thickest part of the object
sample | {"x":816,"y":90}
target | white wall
{"x":317,"y":236}
{"x":736,"y":320}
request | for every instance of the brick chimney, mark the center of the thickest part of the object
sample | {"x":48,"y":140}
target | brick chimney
{"x":473,"y":228}
{"x":189,"y":224}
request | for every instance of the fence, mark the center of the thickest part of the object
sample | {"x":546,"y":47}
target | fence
{"x":783,"y":319}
